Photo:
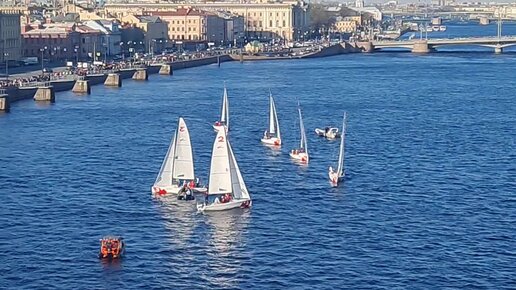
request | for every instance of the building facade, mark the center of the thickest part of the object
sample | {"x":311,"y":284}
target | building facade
{"x":155,"y":31}
{"x":10,"y":35}
{"x":288,"y":19}
{"x":52,"y":42}
{"x":345,"y":26}
{"x":185,"y":23}
{"x":110,"y":37}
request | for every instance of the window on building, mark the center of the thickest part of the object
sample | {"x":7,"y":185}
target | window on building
{"x":284,"y":23}
{"x":270,"y":23}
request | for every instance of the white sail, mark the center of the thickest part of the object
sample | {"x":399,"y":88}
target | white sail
{"x":303,"y":143}
{"x":238,"y":184}
{"x":278,"y":133}
{"x":226,"y":101}
{"x":220,"y":174}
{"x":223,"y":111}
{"x":183,"y":166}
{"x":165,"y":173}
{"x":340,"y":168}
{"x":272,"y":120}
{"x":224,"y":114}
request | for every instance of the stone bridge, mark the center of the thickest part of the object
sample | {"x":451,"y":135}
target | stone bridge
{"x":427,"y":45}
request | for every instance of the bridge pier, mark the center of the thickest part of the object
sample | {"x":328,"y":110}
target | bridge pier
{"x":141,"y":74}
{"x":113,"y":80}
{"x":498,"y":49}
{"x":45,"y":94}
{"x":365,"y":46}
{"x":420,"y":46}
{"x":4,"y":103}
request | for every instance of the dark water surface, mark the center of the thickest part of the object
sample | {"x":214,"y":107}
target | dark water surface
{"x":429,"y":201}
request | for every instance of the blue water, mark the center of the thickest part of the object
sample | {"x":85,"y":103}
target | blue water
{"x":429,"y":201}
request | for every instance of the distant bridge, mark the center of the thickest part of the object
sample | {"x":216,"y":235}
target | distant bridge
{"x":427,"y":45}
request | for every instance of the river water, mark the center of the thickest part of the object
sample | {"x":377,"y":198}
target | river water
{"x":429,"y":201}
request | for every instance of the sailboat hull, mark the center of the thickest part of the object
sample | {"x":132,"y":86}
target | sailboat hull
{"x":301,"y":157}
{"x":333,"y":133}
{"x":334,"y":178}
{"x":236,"y":203}
{"x":272,"y":141}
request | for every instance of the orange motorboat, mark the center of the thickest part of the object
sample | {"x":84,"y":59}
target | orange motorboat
{"x":111,"y":247}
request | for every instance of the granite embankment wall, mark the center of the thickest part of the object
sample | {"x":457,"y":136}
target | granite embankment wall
{"x":21,"y":93}
{"x":336,"y":49}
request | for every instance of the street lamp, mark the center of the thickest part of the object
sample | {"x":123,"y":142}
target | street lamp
{"x":42,"y":51}
{"x":76,"y":51}
{"x":6,"y":65}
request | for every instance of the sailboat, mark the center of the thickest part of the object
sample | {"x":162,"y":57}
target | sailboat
{"x":226,"y":189}
{"x":301,"y":154}
{"x":224,"y":115}
{"x":177,"y":169}
{"x":336,"y":176}
{"x":273,"y":135}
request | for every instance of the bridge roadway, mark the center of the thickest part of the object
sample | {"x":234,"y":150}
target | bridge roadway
{"x":427,"y":45}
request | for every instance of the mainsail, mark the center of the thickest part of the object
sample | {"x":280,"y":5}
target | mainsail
{"x":220,"y":174}
{"x":303,"y":143}
{"x":273,"y":119}
{"x":224,"y":115}
{"x":183,"y":166}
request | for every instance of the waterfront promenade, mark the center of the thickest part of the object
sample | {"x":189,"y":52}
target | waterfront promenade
{"x":42,"y":87}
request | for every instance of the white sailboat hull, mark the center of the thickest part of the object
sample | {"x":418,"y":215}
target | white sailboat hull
{"x":271,"y":141}
{"x":334,"y":178}
{"x":301,"y":157}
{"x":236,"y":203}
{"x":331,"y":134}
